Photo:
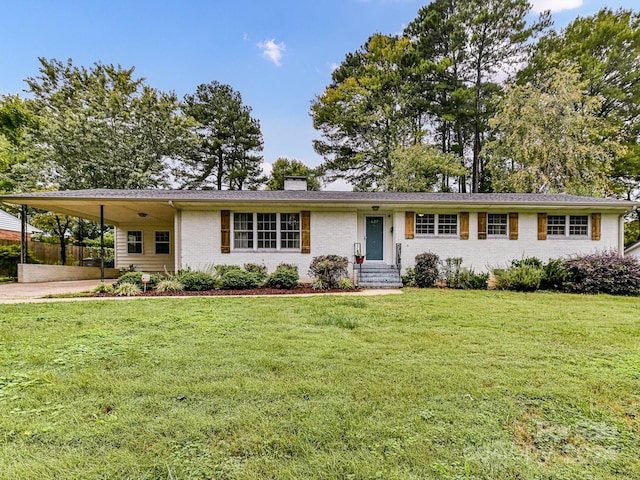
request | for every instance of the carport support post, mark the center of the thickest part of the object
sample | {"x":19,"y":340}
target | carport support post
{"x":102,"y":243}
{"x":23,"y":235}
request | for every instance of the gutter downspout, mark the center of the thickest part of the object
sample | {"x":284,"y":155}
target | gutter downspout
{"x":177,"y":232}
{"x":621,"y":235}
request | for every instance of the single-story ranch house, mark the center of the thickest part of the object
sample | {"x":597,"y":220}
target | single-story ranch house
{"x":158,"y":230}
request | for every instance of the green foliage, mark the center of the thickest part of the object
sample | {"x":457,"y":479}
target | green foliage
{"x":523,"y":277}
{"x":345,"y":284}
{"x":239,"y":280}
{"x":222,"y":269}
{"x":169,"y":285}
{"x":229,"y":140}
{"x":103,"y":128}
{"x":550,"y":138}
{"x":467,"y":279}
{"x":135,"y":278}
{"x":556,"y":276}
{"x":284,"y":276}
{"x":283,"y":167}
{"x":259,"y":271}
{"x":328,"y":270}
{"x":196,"y":281}
{"x":426,"y":270}
{"x":126,"y":289}
{"x":103,"y":288}
{"x":10,"y":258}
{"x":409,"y":278}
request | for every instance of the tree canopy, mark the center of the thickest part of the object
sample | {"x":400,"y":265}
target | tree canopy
{"x":229,"y":141}
{"x":283,"y":167}
{"x":103,"y":128}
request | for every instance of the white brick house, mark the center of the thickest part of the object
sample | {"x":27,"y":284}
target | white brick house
{"x":176,"y":229}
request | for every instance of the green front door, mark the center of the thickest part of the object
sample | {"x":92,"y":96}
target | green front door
{"x":374,"y":231}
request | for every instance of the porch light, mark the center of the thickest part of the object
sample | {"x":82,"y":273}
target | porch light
{"x":375,"y":208}
{"x":142,"y":214}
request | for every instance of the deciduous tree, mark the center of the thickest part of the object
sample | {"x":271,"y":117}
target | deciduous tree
{"x":283,"y":167}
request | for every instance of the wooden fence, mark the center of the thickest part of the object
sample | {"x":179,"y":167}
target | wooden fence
{"x":49,"y":253}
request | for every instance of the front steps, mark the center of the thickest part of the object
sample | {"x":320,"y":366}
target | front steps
{"x":378,"y":275}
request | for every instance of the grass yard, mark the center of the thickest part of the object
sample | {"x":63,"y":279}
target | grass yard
{"x":430,"y":384}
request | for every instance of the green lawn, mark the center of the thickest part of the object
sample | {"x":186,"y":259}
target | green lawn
{"x":430,"y":384}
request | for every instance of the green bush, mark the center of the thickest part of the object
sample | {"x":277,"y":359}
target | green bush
{"x":135,"y":278}
{"x":426,"y":270}
{"x":409,"y":278}
{"x":467,"y":279}
{"x":10,"y":258}
{"x":222,"y":269}
{"x":556,"y":276}
{"x":522,"y":278}
{"x":169,"y":285}
{"x":346,"y":284}
{"x":195,"y":281}
{"x":236,"y":279}
{"x":328,"y":270}
{"x":260,"y":271}
{"x":127,"y":290}
{"x":285,"y":276}
{"x":103,"y":288}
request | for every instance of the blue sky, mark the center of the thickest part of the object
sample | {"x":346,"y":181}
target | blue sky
{"x":278,"y":54}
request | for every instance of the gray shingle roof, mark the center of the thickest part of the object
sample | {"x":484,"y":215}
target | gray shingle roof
{"x":321,"y":197}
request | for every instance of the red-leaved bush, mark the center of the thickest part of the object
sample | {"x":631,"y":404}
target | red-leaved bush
{"x":604,"y":272}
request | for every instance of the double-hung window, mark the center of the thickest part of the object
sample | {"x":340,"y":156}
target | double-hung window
{"x":444,"y":224}
{"x":266,"y":231}
{"x":578,"y":225}
{"x":497,"y":224}
{"x":163,"y":245}
{"x":134,"y":241}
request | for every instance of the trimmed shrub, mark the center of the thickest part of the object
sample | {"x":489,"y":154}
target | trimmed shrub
{"x":556,"y":276}
{"x":127,"y":290}
{"x":426,"y":270}
{"x":236,"y":279}
{"x":328,"y":270}
{"x":169,"y":285}
{"x":195,"y":281}
{"x":259,"y":271}
{"x":523,"y":278}
{"x":222,"y":269}
{"x":135,"y":278}
{"x":604,"y":272}
{"x":284,"y":277}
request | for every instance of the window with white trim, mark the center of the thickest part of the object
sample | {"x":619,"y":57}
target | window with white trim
{"x":497,"y":224}
{"x":436,"y":224}
{"x":163,"y":246}
{"x":134,"y":241}
{"x":271,"y":231}
{"x":578,"y":225}
{"x":243,"y":230}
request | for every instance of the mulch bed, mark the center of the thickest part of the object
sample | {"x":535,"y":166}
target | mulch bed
{"x":219,"y":293}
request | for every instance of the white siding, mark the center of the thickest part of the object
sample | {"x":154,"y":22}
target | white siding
{"x":483,"y":255}
{"x":148,"y":260}
{"x":331,"y":233}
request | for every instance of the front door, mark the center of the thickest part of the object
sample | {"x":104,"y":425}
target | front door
{"x":374,"y":231}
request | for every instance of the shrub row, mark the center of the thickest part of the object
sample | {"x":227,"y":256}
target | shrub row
{"x":604,"y":272}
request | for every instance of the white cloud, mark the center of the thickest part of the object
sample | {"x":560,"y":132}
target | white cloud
{"x":555,"y":5}
{"x":273,"y":51}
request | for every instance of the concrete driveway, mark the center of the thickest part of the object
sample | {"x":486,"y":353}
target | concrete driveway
{"x":25,"y":292}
